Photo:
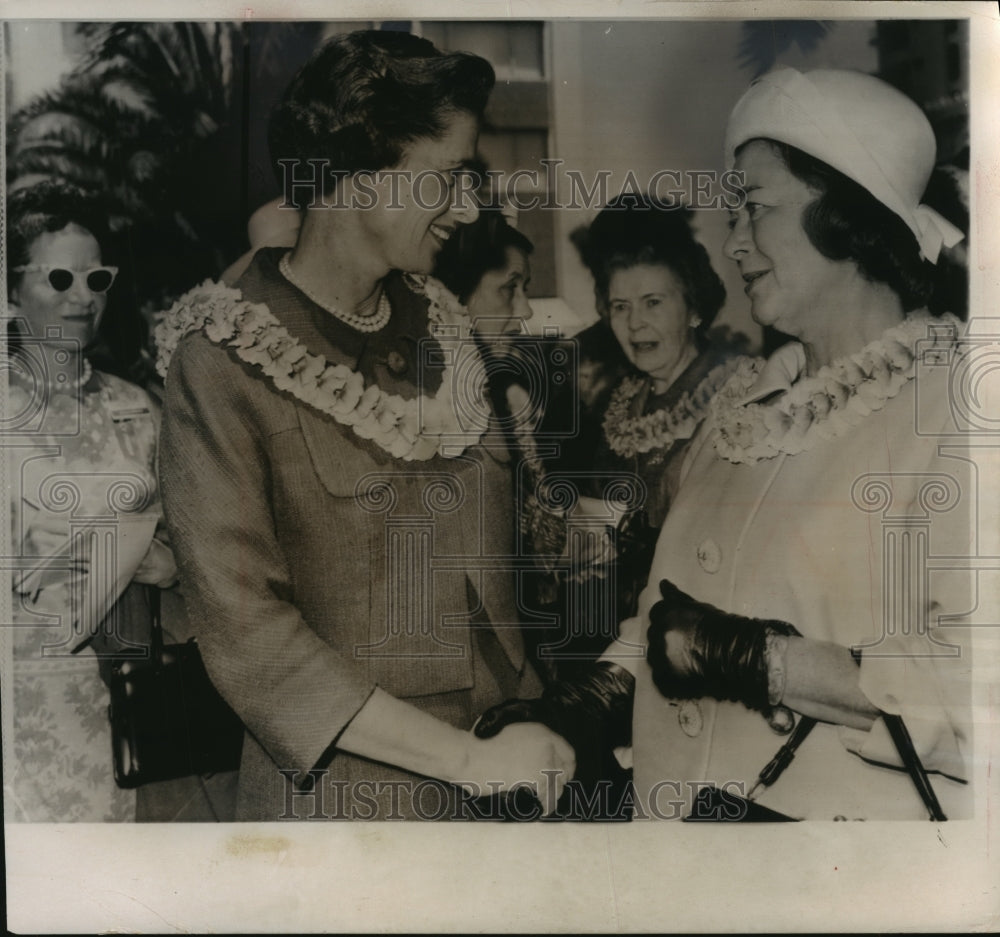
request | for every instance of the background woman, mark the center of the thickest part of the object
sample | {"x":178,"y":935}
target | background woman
{"x":311,"y":421}
{"x":781,"y":514}
{"x":657,"y":292}
{"x":487,"y":265}
{"x":656,"y":288}
{"x":86,"y":470}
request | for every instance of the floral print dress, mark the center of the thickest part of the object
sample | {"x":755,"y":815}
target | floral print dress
{"x":87,"y":507}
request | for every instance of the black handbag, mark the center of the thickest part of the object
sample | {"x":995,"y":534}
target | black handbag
{"x":167,"y":719}
{"x":716,"y":805}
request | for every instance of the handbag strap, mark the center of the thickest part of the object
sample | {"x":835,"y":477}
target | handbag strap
{"x":907,"y":752}
{"x":914,"y":766}
{"x":155,"y":626}
{"x":900,"y":736}
{"x":783,"y":757}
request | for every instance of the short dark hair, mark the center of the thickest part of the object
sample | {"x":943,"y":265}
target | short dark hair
{"x":635,"y":229}
{"x":367,"y":95}
{"x":847,"y":222}
{"x":475,"y":249}
{"x":46,"y":207}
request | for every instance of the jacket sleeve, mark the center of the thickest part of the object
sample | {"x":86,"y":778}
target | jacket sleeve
{"x":922,"y":668}
{"x":294,"y":692}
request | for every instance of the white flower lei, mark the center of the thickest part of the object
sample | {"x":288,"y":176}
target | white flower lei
{"x":417,"y":429}
{"x":661,"y":429}
{"x":828,"y":404}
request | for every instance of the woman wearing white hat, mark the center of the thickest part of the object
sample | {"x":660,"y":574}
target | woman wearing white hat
{"x":791,"y":585}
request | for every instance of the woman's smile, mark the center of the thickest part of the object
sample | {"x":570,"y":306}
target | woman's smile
{"x":440,"y":232}
{"x":401,"y":229}
{"x":792,"y":286}
{"x":751,"y":278}
{"x":74,"y":311}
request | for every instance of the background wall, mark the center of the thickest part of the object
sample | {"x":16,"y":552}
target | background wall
{"x":648,"y":96}
{"x":602,"y":96}
{"x":38,"y":54}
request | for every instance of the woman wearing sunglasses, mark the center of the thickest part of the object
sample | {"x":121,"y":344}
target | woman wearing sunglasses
{"x":86,"y":511}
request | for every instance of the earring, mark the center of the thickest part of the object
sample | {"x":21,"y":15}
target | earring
{"x":695,"y":321}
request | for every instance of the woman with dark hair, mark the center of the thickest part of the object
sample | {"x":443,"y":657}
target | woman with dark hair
{"x":42,"y":210}
{"x":82,"y":443}
{"x":658,"y":295}
{"x":487,"y":265}
{"x":341,"y":516}
{"x":793,"y":609}
{"x":117,"y":343}
{"x":656,"y":287}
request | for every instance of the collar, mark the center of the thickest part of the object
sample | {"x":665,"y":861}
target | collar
{"x":778,"y":374}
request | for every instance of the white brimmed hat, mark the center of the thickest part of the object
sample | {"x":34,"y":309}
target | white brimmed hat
{"x":857,"y":124}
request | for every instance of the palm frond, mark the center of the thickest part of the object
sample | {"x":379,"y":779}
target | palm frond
{"x":764,"y":41}
{"x":147,"y":120}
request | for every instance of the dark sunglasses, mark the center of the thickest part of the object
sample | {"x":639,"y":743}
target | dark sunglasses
{"x":98,"y":279}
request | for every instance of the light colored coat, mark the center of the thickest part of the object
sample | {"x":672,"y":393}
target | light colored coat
{"x":834,"y":540}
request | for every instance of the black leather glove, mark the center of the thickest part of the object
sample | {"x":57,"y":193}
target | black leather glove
{"x":696,"y":649}
{"x":592,"y":710}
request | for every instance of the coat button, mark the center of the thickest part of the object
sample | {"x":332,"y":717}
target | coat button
{"x":397,"y":363}
{"x":690,"y":718}
{"x":709,"y":556}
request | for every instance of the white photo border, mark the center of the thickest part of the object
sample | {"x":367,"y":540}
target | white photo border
{"x":542,"y":877}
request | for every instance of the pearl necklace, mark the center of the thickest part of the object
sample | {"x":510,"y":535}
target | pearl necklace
{"x":369,"y":323}
{"x":71,"y":387}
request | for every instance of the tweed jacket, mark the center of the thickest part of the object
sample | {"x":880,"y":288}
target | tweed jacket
{"x":315,"y":566}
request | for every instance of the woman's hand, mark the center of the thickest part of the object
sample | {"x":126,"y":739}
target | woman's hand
{"x":590,"y":534}
{"x":395,"y":732}
{"x":591,"y":709}
{"x":696,"y":649}
{"x":522,"y":755}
